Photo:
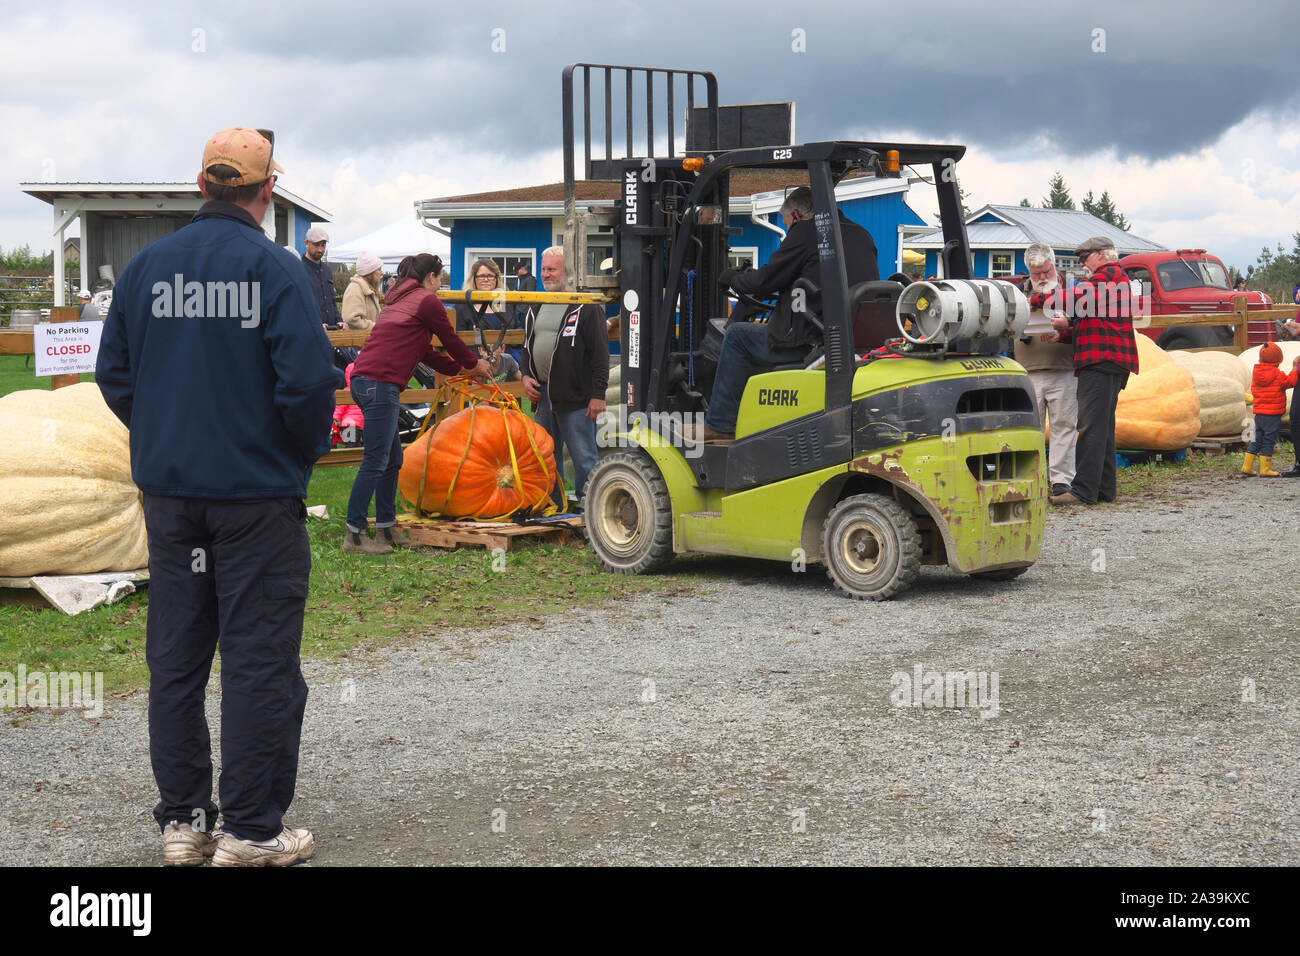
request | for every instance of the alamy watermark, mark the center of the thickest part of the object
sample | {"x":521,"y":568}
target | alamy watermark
{"x":681,"y":430}
{"x":59,"y":690}
{"x":952,"y":689}
{"x":208,"y":300}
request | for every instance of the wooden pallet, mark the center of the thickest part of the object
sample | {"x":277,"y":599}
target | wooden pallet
{"x":1219,"y":446}
{"x":491,"y":535}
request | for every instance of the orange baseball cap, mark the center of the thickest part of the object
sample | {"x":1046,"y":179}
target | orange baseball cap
{"x":247,"y":150}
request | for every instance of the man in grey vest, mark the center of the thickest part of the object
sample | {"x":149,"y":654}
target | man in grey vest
{"x":1050,"y":364}
{"x":566,"y":371}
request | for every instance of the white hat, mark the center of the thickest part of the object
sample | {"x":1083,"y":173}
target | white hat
{"x":367,"y":263}
{"x":84,"y":293}
{"x":317,"y":234}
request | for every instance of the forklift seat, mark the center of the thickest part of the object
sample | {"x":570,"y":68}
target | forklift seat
{"x":872,"y":306}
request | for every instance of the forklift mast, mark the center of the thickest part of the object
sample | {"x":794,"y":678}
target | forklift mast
{"x":666,"y":261}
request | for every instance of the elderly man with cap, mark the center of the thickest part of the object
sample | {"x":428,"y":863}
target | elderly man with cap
{"x":1098,"y":322}
{"x":213,"y":356}
{"x":361,"y":297}
{"x":321,"y":276}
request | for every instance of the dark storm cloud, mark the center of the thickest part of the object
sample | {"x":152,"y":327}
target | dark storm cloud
{"x":341,"y":79}
{"x":1159,"y":79}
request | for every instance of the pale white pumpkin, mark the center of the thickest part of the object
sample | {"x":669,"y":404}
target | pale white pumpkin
{"x":1222,"y":385}
{"x":67,"y":502}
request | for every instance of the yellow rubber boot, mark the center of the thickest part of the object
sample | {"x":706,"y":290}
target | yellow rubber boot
{"x":1248,"y":466}
{"x":1266,"y":469}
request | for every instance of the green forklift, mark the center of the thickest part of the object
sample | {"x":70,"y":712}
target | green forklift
{"x":903,"y":439}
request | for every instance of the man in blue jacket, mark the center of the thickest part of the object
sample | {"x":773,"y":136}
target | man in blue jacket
{"x":214,"y":358}
{"x":321,"y":276}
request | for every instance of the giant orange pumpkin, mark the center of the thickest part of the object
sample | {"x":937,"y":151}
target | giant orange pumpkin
{"x":1158,"y":409}
{"x":469,"y":470}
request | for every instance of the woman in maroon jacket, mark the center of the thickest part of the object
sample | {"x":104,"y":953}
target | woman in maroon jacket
{"x":412,"y":314}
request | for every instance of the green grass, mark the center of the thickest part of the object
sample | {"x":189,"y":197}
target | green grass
{"x":15,"y":377}
{"x":1162,"y":480}
{"x":355,"y":601}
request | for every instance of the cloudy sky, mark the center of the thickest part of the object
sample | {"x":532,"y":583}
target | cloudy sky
{"x":1185,"y":111}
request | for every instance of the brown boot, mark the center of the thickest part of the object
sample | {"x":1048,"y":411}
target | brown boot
{"x":394,"y":536}
{"x":360,"y":542}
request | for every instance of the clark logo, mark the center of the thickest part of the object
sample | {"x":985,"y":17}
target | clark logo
{"x":974,"y":364}
{"x":629,"y":199}
{"x":778,"y":396}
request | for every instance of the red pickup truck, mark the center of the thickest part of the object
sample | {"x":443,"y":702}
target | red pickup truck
{"x":1191,"y":281}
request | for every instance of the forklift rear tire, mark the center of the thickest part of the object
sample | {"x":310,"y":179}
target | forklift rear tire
{"x":628,"y":514}
{"x":871,"y":547}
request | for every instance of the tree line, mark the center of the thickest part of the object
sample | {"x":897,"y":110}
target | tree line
{"x":1058,"y":197}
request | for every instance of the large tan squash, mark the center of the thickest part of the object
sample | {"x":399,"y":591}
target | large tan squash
{"x":1222,"y":384}
{"x":67,"y":502}
{"x":1158,"y":409}
{"x":1290,"y":350}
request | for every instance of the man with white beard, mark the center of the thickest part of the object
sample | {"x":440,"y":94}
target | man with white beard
{"x":1050,"y":364}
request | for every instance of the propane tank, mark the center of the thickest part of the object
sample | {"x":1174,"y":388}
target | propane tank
{"x":941,"y":311}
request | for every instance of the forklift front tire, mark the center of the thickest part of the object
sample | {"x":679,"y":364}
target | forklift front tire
{"x":628,"y":514}
{"x":871,"y":547}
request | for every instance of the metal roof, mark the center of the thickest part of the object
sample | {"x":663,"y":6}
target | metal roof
{"x":548,"y":200}
{"x":1021,"y":225}
{"x":49,"y":192}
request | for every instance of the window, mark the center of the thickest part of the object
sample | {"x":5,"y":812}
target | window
{"x":600,"y":246}
{"x":507,"y":260}
{"x":742,"y":257}
{"x":1191,"y":274}
{"x":1142,"y":278}
{"x":1002,"y":264}
{"x":1067,"y":264}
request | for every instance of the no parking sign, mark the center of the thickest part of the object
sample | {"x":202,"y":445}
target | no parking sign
{"x":66,"y":348}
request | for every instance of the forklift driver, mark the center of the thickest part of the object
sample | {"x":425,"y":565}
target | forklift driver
{"x":748,"y":347}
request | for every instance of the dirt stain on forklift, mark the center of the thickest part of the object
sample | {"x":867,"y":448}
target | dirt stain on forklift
{"x":903,"y":439}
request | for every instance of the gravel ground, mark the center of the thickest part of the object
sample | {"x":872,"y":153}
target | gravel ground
{"x":753,"y":723}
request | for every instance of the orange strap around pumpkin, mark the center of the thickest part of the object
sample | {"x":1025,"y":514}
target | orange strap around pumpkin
{"x":464,"y":392}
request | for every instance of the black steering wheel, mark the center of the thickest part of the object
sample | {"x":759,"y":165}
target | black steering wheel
{"x":758,"y":306}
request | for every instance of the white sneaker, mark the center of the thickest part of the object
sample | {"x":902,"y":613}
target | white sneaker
{"x":290,"y":847}
{"x":185,"y":846}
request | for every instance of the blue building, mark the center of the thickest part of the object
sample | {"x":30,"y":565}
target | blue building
{"x":514,"y":226}
{"x":999,"y":236}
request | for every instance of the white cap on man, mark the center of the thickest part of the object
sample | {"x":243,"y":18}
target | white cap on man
{"x":317,"y":234}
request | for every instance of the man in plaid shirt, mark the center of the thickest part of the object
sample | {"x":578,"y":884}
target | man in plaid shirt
{"x":1098,"y":321}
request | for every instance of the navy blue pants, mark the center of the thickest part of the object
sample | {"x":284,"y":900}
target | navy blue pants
{"x":1266,"y":431}
{"x":381,"y":461}
{"x":745,"y":352}
{"x":233,"y":575}
{"x":574,"y":430}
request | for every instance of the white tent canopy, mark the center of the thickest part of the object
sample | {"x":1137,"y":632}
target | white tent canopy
{"x":393,"y":243}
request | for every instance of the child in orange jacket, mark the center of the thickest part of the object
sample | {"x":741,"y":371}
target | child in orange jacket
{"x":1268,"y":387}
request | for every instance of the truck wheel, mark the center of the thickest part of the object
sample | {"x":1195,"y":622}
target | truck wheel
{"x":1195,"y":337}
{"x":1001,"y":574}
{"x":628,"y":515}
{"x":871,"y":547}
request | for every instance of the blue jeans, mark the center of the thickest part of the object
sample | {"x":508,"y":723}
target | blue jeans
{"x":1266,"y":429}
{"x":575,"y":430}
{"x":744,"y":352}
{"x":382,"y":457}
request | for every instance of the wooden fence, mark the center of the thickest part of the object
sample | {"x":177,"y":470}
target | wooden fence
{"x":19,"y":342}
